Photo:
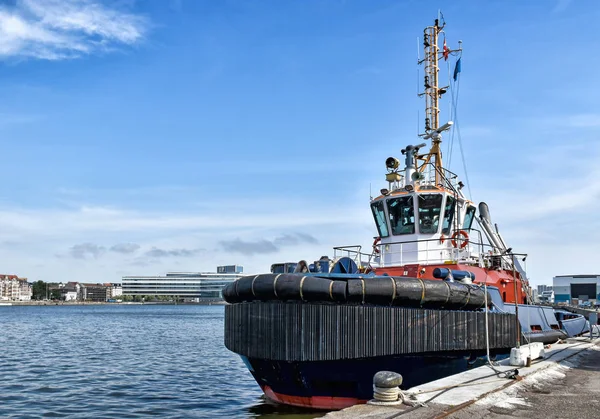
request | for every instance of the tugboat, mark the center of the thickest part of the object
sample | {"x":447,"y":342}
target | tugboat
{"x":437,"y":292}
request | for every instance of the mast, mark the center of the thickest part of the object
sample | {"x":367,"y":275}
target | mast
{"x":430,"y":61}
{"x":432,"y":94}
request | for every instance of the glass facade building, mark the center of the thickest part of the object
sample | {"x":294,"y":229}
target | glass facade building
{"x":200,"y":286}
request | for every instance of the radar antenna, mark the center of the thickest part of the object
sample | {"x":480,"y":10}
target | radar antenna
{"x":433,"y":93}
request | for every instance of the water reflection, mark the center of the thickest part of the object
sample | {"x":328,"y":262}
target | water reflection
{"x":265,"y":409}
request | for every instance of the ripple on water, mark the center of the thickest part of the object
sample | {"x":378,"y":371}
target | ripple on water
{"x":124,"y":361}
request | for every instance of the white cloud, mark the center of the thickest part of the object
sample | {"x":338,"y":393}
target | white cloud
{"x":18,"y":223}
{"x":61,"y":29}
{"x":544,"y":204}
{"x":102,"y":244}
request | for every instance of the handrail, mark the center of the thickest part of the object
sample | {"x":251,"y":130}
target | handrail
{"x":478,"y":251}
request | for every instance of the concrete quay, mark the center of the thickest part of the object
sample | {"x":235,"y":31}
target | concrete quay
{"x":565,"y":384}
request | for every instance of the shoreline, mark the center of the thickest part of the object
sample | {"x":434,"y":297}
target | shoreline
{"x":98,"y":303}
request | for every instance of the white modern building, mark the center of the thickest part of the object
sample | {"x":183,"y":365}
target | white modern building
{"x":574,"y":289}
{"x":196,"y":286}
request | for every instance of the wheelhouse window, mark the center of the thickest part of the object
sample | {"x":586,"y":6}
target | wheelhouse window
{"x":402,"y":215}
{"x":430,"y":207}
{"x":448,"y":214}
{"x":379,"y":215}
{"x":469,"y":218}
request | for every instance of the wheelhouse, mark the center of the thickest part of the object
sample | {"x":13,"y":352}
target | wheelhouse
{"x":420,"y":226}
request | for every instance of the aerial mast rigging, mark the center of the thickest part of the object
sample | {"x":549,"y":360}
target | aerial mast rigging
{"x":432,"y":94}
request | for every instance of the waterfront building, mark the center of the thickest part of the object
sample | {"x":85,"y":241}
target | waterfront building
{"x":113,"y":291}
{"x":93,"y":292}
{"x":547,"y":297}
{"x":70,"y":291}
{"x":76,"y":291}
{"x":543,"y":288}
{"x":230,"y":269}
{"x":575,"y":289}
{"x":535,"y":295}
{"x":13,"y":288}
{"x":191,"y":286}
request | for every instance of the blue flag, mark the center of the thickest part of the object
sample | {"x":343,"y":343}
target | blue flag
{"x":457,"y":69}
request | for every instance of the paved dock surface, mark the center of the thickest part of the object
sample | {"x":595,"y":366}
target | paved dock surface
{"x":570,"y":391}
{"x":565,"y":385}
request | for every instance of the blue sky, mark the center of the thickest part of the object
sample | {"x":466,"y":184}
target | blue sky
{"x":140,"y":137}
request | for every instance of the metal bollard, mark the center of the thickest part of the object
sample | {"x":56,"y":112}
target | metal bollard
{"x":593,"y":319}
{"x":386,"y":389}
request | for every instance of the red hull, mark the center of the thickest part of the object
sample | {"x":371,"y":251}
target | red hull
{"x":313,"y":402}
{"x":502,"y":279}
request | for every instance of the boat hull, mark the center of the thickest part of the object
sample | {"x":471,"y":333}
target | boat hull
{"x":324,"y":356}
{"x":333,"y":385}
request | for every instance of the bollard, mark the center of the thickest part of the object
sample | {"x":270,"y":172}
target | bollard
{"x":386,"y":389}
{"x":593,"y":320}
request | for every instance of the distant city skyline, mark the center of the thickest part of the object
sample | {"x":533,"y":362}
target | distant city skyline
{"x":145,"y":137}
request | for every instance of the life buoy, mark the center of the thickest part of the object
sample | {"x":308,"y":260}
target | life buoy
{"x":375,"y":243}
{"x":465,"y":240}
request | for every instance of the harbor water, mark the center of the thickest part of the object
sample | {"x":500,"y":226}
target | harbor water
{"x":125,"y":361}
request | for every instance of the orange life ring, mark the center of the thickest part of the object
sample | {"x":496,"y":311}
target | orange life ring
{"x":465,"y":240}
{"x":375,"y":242}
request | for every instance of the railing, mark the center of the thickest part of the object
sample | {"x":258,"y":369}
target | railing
{"x":399,"y":253}
{"x":435,"y":176}
{"x":444,"y":177}
{"x":355,"y":253}
{"x":409,"y":252}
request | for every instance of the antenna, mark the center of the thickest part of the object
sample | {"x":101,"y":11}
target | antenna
{"x":418,"y":50}
{"x":433,"y":93}
{"x":418,"y":120}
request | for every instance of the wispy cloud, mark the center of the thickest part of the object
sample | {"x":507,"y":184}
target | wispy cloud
{"x":125,"y":248}
{"x":264,"y":246}
{"x":156,"y":255}
{"x":564,"y":121}
{"x":20,"y":223}
{"x":584,"y":121}
{"x":85,"y":250}
{"x":91,"y":250}
{"x":8,"y":119}
{"x":62,"y":29}
{"x":294,"y":239}
{"x":553,"y":187}
{"x":159,"y":253}
{"x":561,"y":6}
{"x":252,"y":247}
